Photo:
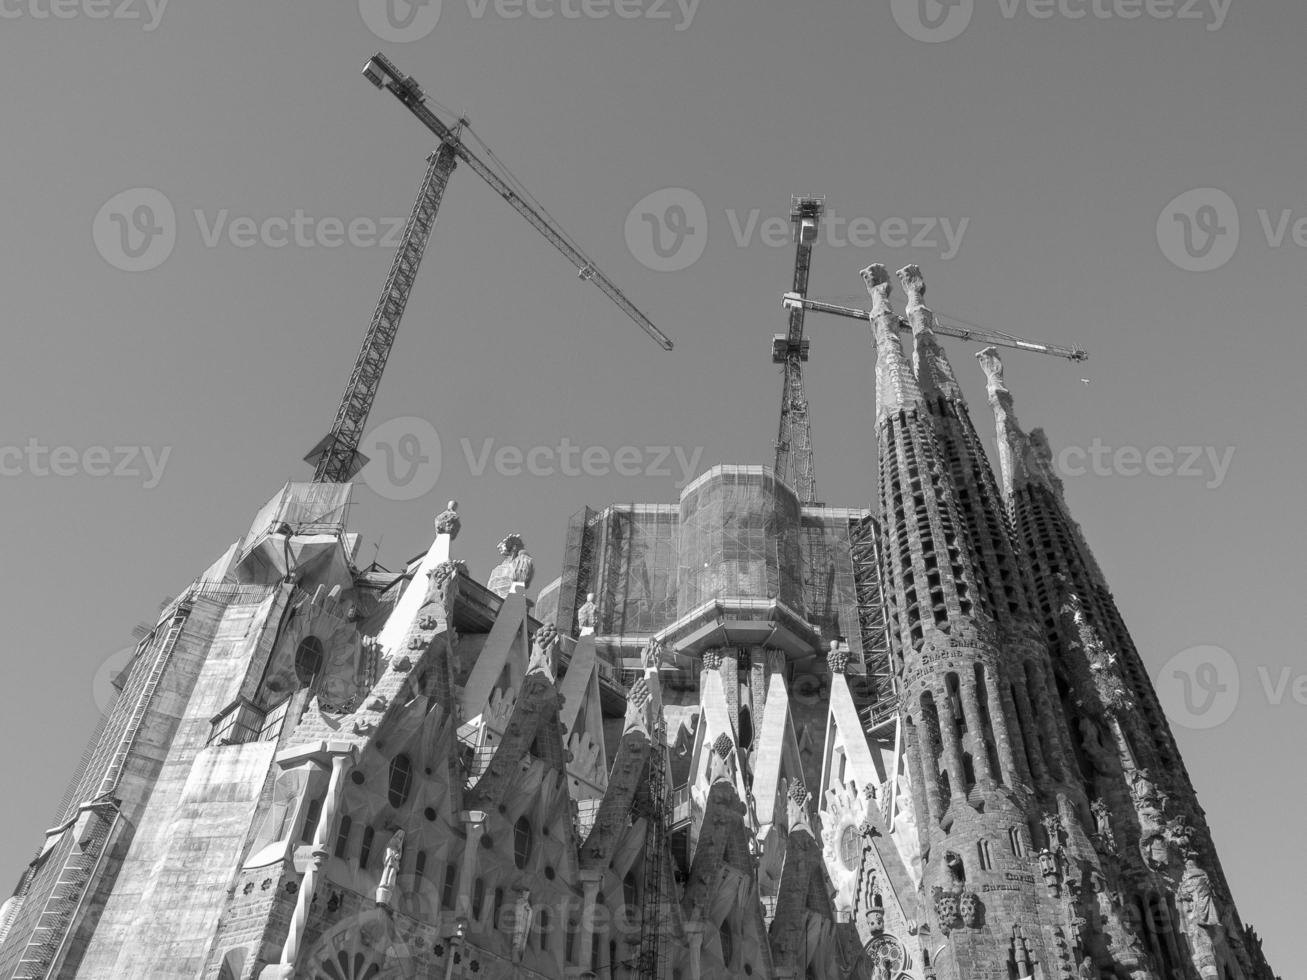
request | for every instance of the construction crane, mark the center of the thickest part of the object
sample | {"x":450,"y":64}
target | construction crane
{"x":790,"y":349}
{"x":336,"y":458}
{"x":944,"y":325}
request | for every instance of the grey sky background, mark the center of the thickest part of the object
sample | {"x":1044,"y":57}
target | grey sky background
{"x":1060,"y":141}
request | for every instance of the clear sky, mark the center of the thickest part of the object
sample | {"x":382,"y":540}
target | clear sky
{"x":1051,"y":146}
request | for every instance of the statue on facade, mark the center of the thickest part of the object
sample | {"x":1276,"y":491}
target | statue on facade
{"x":515,"y":571}
{"x":390,"y":869}
{"x":447,"y":521}
{"x":587,"y":615}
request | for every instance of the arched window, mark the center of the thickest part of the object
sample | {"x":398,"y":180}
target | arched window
{"x":420,"y":865}
{"x":521,"y":842}
{"x":447,"y":889}
{"x":542,"y":930}
{"x":746,"y":729}
{"x":365,"y":849}
{"x":851,"y":847}
{"x":498,"y":907}
{"x":311,"y":814}
{"x":728,"y":942}
{"x":342,"y":836}
{"x":233,"y":965}
{"x":478,"y":897}
{"x":630,"y":894}
{"x":308,"y":660}
{"x":401,"y":780}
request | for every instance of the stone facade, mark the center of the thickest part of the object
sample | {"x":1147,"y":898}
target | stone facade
{"x":318,"y":771}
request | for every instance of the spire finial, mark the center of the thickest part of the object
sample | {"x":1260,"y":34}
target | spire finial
{"x":934,"y":372}
{"x":1022,"y":458}
{"x":896,"y":387}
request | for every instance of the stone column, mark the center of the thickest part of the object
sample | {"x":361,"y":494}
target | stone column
{"x":326,"y":830}
{"x":925,"y":792}
{"x":1030,"y":735}
{"x":694,"y":941}
{"x":976,"y":727}
{"x":952,"y":743}
{"x":474,"y":825}
{"x":1011,"y":762}
{"x":590,"y":880}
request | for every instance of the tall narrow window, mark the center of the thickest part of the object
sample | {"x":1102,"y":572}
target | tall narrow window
{"x":342,"y":836}
{"x":478,"y":897}
{"x":365,"y":849}
{"x":447,"y":889}
{"x":311,"y":814}
{"x":308,"y":660}
{"x":521,"y":842}
{"x":497,"y":908}
{"x":420,"y":865}
{"x":542,"y":930}
{"x":401,"y":780}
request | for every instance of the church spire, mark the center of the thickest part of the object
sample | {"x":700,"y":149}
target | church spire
{"x":934,"y":372}
{"x":1023,"y":459}
{"x":896,"y":386}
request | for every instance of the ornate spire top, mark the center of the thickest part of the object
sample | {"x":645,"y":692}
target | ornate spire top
{"x":934,"y":372}
{"x":542,"y":651}
{"x":447,"y":521}
{"x":1024,"y":459}
{"x":896,"y":387}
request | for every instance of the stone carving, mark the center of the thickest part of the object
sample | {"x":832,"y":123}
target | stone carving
{"x":1102,"y":822}
{"x":1053,"y":830}
{"x":523,"y":913}
{"x":1143,"y":787}
{"x":946,"y":910}
{"x":587,"y":615}
{"x":390,"y":869}
{"x":1086,"y":970}
{"x":447,"y":521}
{"x":652,"y":656}
{"x":1048,"y":867}
{"x":637,"y":715}
{"x":442,"y":580}
{"x":1196,"y":894}
{"x":712,"y":659}
{"x":876,"y":278}
{"x":838,"y":658}
{"x":914,"y":284}
{"x":875,"y":920}
{"x":542,"y":650}
{"x":969,"y":909}
{"x":516,"y":569}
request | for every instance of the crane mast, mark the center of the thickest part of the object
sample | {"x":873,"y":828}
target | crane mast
{"x":336,"y":457}
{"x":794,"y":436}
{"x":944,"y":326}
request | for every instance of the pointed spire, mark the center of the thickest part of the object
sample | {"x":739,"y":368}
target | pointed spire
{"x":896,"y":387}
{"x":1024,"y":459}
{"x":934,"y":372}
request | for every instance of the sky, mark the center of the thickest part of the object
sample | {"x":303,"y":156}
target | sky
{"x":200,"y":203}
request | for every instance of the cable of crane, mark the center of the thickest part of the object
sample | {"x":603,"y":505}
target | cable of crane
{"x":509,"y":178}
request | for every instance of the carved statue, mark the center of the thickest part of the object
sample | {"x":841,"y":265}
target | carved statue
{"x":1086,"y":969}
{"x":1102,"y":820}
{"x":523,"y":913}
{"x":1196,"y":893}
{"x":652,"y":656}
{"x":516,"y":569}
{"x":542,"y":650}
{"x":878,"y":286}
{"x":914,"y":284}
{"x":838,"y":658}
{"x":587,"y":615}
{"x":1145,"y":790}
{"x":447,"y":521}
{"x":390,"y":869}
{"x":441,"y":580}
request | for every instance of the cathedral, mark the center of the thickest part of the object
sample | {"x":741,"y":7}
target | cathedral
{"x":737,"y":735}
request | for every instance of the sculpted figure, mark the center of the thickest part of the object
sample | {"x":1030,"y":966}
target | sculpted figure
{"x":390,"y":870}
{"x":587,"y":614}
{"x":447,"y":521}
{"x":516,"y":568}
